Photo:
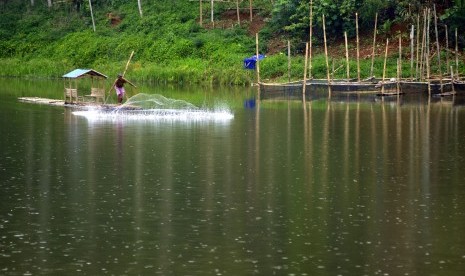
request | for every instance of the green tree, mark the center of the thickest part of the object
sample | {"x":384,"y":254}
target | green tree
{"x":291,"y":17}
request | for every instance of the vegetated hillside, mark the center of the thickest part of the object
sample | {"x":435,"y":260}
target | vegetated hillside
{"x":168,"y":41}
{"x":171,"y":45}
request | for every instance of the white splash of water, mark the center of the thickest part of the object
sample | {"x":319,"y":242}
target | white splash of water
{"x":169,"y":115}
{"x":154,"y":107}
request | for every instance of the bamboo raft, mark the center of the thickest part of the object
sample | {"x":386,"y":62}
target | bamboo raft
{"x":293,"y":90}
{"x":38,"y":100}
{"x":75,"y":105}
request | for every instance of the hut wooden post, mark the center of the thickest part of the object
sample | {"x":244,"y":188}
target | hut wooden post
{"x":310,"y":41}
{"x":384,"y":67}
{"x":358,"y":48}
{"x":326,"y":57}
{"x":304,"y":84}
{"x":347,"y":57}
{"x":91,"y":83}
{"x":289,"y":60}
{"x":374,"y":45}
{"x":75,"y":87}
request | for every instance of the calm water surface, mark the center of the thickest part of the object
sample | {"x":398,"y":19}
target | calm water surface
{"x":340,"y":188}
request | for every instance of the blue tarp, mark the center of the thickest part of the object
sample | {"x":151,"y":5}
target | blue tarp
{"x":249,"y":63}
{"x":77,"y":73}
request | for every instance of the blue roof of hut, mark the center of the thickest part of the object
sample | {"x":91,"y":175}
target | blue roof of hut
{"x":78,"y":73}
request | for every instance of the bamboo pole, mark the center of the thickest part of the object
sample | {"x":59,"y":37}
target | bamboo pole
{"x":398,"y":77}
{"x":332,"y":68}
{"x":418,"y":46}
{"x":310,"y":41}
{"x":447,"y":49}
{"x":127,"y":64}
{"x":428,"y":72}
{"x":124,"y":73}
{"x":374,"y":45}
{"x":257,"y":66}
{"x":452,"y":79}
{"x":399,"y":64}
{"x":347,"y":57}
{"x":304,"y":84}
{"x":326,"y":57}
{"x":438,"y":47}
{"x":400,"y":54}
{"x":358,"y":48}
{"x":456,"y":54}
{"x":412,"y":37}
{"x":289,"y":60}
{"x":423,"y":48}
{"x":384,"y":67}
{"x":437,"y":40}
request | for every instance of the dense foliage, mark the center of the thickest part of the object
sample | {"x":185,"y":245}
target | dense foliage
{"x":292,"y":16}
{"x":170,"y":45}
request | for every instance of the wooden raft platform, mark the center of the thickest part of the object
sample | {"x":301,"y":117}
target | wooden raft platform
{"x":55,"y":102}
{"x":38,"y":100}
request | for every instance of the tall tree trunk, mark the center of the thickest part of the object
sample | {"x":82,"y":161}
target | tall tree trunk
{"x":32,"y":2}
{"x":250,"y":10}
{"x":92,"y":14}
{"x":49,"y":3}
{"x":140,"y":7}
{"x":212,"y":13}
{"x":200,"y":4}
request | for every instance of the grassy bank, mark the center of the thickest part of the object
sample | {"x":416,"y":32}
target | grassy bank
{"x":199,"y":71}
{"x":188,"y":71}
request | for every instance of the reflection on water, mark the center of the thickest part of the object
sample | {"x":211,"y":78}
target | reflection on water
{"x":311,"y":188}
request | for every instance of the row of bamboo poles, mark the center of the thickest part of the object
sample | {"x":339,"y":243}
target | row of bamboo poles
{"x":420,"y":52}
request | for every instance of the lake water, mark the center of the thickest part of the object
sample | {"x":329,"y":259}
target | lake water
{"x":368,"y":187}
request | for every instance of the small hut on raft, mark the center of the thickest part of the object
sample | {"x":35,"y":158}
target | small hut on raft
{"x":97,"y":85}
